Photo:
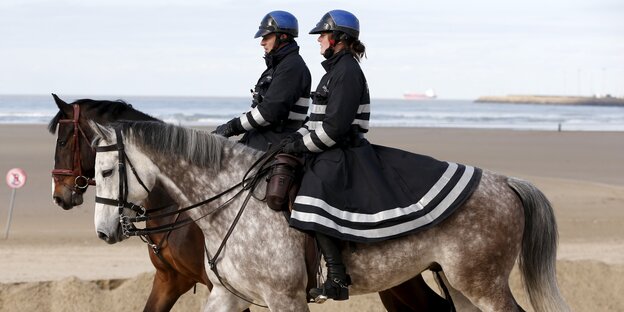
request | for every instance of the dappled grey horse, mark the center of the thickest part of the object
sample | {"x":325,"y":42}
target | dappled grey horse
{"x":263,"y":258}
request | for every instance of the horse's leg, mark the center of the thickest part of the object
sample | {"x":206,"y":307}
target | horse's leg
{"x":413,"y":295}
{"x":286,"y":303}
{"x":167,"y":287}
{"x":488,"y":295}
{"x":460,"y":301}
{"x":477,"y":261}
{"x":221,"y":300}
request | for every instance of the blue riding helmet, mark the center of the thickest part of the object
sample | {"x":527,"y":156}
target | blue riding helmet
{"x":338,"y":20}
{"x":280,"y":22}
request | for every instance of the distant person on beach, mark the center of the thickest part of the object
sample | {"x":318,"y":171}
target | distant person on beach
{"x":282,"y":95}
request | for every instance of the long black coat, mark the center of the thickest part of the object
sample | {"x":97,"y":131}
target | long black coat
{"x":357,"y":191}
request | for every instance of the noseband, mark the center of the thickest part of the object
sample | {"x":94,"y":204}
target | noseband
{"x":122,"y":201}
{"x":81,"y":182}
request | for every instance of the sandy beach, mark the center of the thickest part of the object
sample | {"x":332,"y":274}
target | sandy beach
{"x":53,"y":261}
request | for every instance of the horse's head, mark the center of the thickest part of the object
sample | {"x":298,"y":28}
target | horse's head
{"x":124,"y":176}
{"x":74,"y":159}
{"x":73,"y":155}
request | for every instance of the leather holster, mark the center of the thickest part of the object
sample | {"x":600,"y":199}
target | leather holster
{"x":284,"y":174}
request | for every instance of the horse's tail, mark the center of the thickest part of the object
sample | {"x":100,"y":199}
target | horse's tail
{"x":539,"y":248}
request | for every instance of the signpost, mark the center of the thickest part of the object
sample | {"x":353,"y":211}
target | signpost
{"x":15,"y":179}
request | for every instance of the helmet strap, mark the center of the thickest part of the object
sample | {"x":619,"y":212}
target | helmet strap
{"x":278,"y":42}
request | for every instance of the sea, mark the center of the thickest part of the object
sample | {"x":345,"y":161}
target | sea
{"x":211,"y":111}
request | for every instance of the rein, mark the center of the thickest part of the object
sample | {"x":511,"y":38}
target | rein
{"x":249,"y":183}
{"x":81,"y":182}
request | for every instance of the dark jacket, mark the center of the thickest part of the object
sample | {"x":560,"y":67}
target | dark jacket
{"x":281,"y":99}
{"x":341,"y":104}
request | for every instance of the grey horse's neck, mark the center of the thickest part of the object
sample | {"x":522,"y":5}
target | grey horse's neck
{"x":188,"y":183}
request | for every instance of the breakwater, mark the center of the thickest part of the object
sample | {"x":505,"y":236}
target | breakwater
{"x":553,"y":100}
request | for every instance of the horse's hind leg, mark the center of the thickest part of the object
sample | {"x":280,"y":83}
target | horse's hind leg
{"x":413,"y":295}
{"x":487,"y":293}
{"x":460,"y":301}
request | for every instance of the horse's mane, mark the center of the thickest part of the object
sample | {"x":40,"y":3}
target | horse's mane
{"x":197,"y":147}
{"x":114,"y":108}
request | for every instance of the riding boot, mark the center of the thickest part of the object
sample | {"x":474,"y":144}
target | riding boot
{"x":335,"y":286}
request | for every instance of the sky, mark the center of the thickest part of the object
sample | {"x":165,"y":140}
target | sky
{"x":461,"y":49}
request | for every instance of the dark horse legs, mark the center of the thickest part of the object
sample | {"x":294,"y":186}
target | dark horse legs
{"x":413,"y":295}
{"x":168,"y":286}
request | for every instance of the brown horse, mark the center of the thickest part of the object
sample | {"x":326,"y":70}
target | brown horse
{"x":178,"y":256}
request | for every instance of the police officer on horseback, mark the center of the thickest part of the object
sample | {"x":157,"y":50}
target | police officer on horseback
{"x":338,"y":119}
{"x":281,"y":97}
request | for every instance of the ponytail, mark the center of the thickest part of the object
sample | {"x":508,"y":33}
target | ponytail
{"x":357,"y":49}
{"x":353,"y":45}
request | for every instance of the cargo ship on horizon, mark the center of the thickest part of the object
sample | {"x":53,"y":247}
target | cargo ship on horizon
{"x":429,"y":94}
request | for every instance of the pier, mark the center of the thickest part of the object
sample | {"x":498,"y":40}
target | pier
{"x":552,"y":100}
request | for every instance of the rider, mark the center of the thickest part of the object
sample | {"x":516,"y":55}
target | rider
{"x":282,"y":95}
{"x":338,"y":119}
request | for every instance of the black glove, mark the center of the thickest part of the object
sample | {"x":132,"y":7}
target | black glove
{"x":231,"y":128}
{"x":291,"y":138}
{"x":295,"y":147}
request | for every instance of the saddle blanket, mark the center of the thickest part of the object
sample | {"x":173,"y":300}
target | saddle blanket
{"x":373,"y":193}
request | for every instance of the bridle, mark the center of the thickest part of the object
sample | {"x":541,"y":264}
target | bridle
{"x":127,"y":222}
{"x":81,"y":182}
{"x":250,"y":181}
{"x":122,"y":201}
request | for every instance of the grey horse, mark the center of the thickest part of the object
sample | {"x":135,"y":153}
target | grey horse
{"x":263,"y":259}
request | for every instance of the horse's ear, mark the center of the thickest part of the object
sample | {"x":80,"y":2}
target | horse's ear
{"x":101,"y":132}
{"x":64,"y":107}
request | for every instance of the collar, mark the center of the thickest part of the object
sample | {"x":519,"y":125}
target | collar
{"x":329,"y":63}
{"x":274,"y":57}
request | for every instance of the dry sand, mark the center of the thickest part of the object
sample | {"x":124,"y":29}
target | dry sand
{"x":52,"y":260}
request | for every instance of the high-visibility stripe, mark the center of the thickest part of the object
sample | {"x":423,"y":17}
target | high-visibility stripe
{"x":296,"y":116}
{"x":324,"y":137}
{"x":318,"y":109}
{"x":307,"y":141}
{"x":258,"y":118}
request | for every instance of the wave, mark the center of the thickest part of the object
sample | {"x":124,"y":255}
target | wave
{"x":384,"y":113}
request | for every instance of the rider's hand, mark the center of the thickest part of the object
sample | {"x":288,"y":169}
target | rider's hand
{"x":232,"y":127}
{"x":295,"y":136}
{"x":295,"y":147}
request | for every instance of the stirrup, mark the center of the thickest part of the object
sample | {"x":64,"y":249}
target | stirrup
{"x":338,"y":290}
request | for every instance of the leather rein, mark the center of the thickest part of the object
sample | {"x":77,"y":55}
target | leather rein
{"x":81,"y":182}
{"x":249,"y":183}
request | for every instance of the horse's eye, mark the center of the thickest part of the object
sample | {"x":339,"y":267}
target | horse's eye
{"x":61,"y":143}
{"x":107,"y":173}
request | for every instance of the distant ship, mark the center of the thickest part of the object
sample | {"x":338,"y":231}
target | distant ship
{"x":429,"y":94}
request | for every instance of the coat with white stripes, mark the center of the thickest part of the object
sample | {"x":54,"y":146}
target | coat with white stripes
{"x":341,"y":104}
{"x":283,"y":91}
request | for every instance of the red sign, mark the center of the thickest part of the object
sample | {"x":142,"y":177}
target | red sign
{"x":16,"y":178}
